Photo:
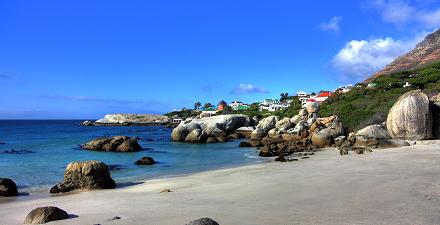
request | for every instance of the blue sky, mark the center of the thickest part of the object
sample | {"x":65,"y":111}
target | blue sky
{"x":84,"y":59}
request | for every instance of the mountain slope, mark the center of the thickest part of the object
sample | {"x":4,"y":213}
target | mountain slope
{"x":425,"y":52}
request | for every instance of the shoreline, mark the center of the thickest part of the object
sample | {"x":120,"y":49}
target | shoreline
{"x":390,"y":186}
{"x":41,"y":192}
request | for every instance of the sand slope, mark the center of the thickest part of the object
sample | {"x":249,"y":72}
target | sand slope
{"x":395,"y":186}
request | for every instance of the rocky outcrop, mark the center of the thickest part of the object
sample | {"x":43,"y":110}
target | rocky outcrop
{"x":209,"y":130}
{"x":8,"y":188}
{"x":425,"y":52}
{"x":128,"y":119}
{"x":410,"y":118}
{"x":203,"y":221}
{"x":303,"y":132}
{"x":45,"y":215}
{"x":264,"y":126}
{"x":85,"y":176}
{"x":145,"y":161}
{"x":113,"y":144}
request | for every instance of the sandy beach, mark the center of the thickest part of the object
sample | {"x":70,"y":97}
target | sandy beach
{"x":393,"y":186}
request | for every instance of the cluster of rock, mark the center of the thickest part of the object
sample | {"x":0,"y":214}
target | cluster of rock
{"x":304,"y":132}
{"x":212,"y":129}
{"x":113,"y":144}
{"x":85,"y":176}
{"x":128,"y":119}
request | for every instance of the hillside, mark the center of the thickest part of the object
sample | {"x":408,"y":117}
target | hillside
{"x":364,"y":106}
{"x":425,"y":52}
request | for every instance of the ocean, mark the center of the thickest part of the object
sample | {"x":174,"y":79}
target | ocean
{"x":43,"y":148}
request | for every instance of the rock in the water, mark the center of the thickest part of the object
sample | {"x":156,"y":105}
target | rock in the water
{"x":8,"y":188}
{"x":203,"y":221}
{"x":45,"y":214}
{"x":85,"y":176}
{"x":245,"y":144}
{"x":411,"y":118}
{"x":18,"y":152}
{"x":280,"y":159}
{"x":86,"y":123}
{"x":374,"y":131}
{"x":113,"y":144}
{"x":145,"y":161}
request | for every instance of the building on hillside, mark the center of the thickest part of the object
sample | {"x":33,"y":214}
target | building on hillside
{"x":320,"y":98}
{"x":303,"y":97}
{"x":237,"y":105}
{"x":273,"y":105}
{"x":344,"y":89}
{"x":301,"y":94}
{"x":208,"y":112}
{"x":268,"y":102}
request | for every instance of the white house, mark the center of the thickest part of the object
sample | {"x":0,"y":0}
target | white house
{"x":237,"y":105}
{"x":268,"y":102}
{"x":344,"y":89}
{"x":303,"y":97}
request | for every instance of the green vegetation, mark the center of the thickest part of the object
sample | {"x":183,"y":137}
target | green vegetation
{"x":364,"y":106}
{"x":184,"y":113}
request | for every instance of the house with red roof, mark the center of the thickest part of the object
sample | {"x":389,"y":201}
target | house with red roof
{"x":320,"y":98}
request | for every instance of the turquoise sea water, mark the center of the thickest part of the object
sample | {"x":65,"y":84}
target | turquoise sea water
{"x":55,"y":143}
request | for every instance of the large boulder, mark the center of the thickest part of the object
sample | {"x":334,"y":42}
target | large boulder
{"x":312,"y":107}
{"x":323,"y":138}
{"x":411,"y":118}
{"x":264,"y":127}
{"x":8,"y":188}
{"x":85,"y":176}
{"x":113,"y":144}
{"x":374,"y":131}
{"x":216,"y":126}
{"x":45,"y":215}
{"x":203,"y":221}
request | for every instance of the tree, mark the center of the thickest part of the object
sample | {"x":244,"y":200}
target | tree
{"x":197,"y":105}
{"x":207,"y":105}
{"x":283,"y":97}
{"x":222,"y":103}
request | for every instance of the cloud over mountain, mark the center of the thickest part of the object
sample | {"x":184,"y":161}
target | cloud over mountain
{"x":359,"y":59}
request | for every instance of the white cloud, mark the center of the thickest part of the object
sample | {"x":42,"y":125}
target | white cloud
{"x":248,"y":89}
{"x":402,"y":13}
{"x":359,"y":59}
{"x":332,"y":25}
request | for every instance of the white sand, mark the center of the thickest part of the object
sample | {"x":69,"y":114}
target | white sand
{"x":394,"y":186}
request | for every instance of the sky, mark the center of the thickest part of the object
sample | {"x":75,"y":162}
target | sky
{"x":84,"y":59}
